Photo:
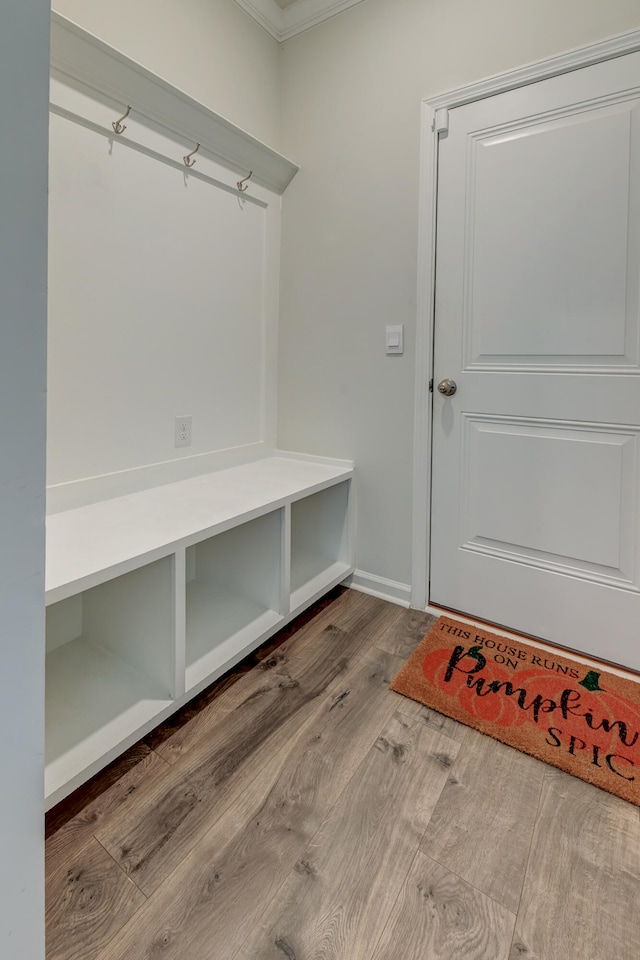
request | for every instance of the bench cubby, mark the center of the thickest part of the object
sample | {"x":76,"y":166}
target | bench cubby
{"x":234,"y":593}
{"x":319,"y":542}
{"x":153,"y":595}
{"x":110,"y":667}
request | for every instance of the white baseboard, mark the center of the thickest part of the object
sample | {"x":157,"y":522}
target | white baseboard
{"x":391,"y":590}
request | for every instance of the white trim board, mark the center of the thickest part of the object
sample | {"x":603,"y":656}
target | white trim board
{"x":391,"y":590}
{"x":607,"y":49}
{"x":78,"y":57}
{"x":284,"y":24}
{"x":87,"y":490}
{"x":501,"y":83}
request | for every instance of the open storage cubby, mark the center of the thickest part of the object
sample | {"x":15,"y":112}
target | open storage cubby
{"x":234,"y":593}
{"x":319,"y":542}
{"x":109,"y":669}
{"x":153,"y":595}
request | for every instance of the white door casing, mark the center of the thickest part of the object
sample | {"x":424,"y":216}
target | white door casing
{"x":535,"y":520}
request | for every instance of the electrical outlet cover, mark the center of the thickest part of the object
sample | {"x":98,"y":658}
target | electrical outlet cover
{"x":182,"y":432}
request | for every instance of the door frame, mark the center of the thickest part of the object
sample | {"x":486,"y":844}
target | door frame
{"x":434,"y":121}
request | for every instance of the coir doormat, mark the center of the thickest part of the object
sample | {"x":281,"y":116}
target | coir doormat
{"x":575,"y":717}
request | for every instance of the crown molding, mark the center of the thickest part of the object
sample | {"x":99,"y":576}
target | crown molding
{"x":300,"y":16}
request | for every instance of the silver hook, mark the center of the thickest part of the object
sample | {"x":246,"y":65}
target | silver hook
{"x":188,"y":162}
{"x":118,"y":125}
{"x":240,"y":182}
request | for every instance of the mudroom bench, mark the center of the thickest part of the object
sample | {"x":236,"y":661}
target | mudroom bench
{"x":152,"y":596}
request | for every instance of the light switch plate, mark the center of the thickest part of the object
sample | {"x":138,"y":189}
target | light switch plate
{"x":395,"y":338}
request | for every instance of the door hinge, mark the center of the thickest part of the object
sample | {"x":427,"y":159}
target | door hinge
{"x":431,"y":385}
{"x":442,"y":120}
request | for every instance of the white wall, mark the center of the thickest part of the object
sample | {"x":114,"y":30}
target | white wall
{"x":159,"y":307}
{"x":211,"y":49}
{"x":24,"y":74}
{"x":162,"y":288}
{"x":351,"y":117}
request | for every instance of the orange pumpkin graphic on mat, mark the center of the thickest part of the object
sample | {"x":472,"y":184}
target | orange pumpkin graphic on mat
{"x":494,"y":709}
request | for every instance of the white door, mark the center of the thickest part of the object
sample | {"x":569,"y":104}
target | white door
{"x":536,"y":479}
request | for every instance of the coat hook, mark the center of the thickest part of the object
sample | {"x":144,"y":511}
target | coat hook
{"x":240,"y":182}
{"x":187,"y":160}
{"x":118,"y":125}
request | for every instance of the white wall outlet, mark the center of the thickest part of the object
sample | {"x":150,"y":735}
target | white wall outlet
{"x":182,"y":432}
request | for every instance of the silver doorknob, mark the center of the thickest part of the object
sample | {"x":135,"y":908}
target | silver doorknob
{"x":447,"y":387}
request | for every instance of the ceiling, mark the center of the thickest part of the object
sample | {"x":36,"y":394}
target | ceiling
{"x":286,"y":18}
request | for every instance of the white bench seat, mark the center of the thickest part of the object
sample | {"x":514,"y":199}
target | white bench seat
{"x":153,"y":595}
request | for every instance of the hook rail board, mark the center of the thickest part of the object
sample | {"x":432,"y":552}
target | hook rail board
{"x":78,"y":57}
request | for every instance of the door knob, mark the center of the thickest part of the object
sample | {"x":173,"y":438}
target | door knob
{"x":447,"y":387}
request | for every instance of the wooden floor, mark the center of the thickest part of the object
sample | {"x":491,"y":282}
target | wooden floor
{"x":300,"y":810}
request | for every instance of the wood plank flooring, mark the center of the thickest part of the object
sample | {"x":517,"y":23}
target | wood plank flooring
{"x":487,"y":769}
{"x":300,"y":810}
